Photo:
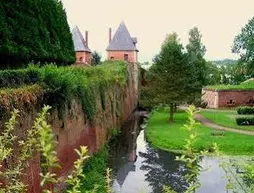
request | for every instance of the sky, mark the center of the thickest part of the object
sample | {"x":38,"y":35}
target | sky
{"x":218,"y":20}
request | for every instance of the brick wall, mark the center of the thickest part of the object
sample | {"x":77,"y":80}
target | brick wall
{"x":218,"y":99}
{"x":83,"y":58}
{"x":74,"y":130}
{"x":119,"y":55}
{"x":210,"y":97}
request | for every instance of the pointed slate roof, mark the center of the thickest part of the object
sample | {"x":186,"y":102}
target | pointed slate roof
{"x":122,"y":40}
{"x":79,"y":41}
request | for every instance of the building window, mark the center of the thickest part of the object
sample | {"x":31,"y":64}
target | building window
{"x":231,"y":102}
{"x":126,"y":57}
{"x":81,"y":59}
{"x":112,"y":58}
{"x":250,"y":102}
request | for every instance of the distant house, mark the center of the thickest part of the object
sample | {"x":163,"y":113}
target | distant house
{"x":229,"y":95}
{"x":122,"y":46}
{"x":83,"y":53}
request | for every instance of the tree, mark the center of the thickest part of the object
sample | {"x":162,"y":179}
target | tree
{"x":170,"y":77}
{"x":196,"y":51}
{"x":34,"y":31}
{"x":244,"y":45}
{"x":96,"y":58}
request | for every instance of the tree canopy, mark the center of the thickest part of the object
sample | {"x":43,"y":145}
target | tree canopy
{"x":34,"y":30}
{"x":196,"y":51}
{"x":96,"y":58}
{"x":244,"y":45}
{"x":170,"y":77}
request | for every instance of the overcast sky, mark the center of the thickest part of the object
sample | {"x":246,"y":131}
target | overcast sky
{"x":150,"y":20}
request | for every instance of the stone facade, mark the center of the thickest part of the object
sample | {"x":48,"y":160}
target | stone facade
{"x":227,"y":98}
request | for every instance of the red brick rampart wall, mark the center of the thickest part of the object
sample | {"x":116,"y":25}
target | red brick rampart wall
{"x":210,"y":97}
{"x":219,"y":99}
{"x":74,"y":129}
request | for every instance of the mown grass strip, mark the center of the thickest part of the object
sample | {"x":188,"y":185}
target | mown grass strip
{"x":169,"y":136}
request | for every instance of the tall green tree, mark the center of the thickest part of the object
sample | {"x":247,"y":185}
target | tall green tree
{"x":196,"y":51}
{"x":244,"y":45}
{"x":170,"y":77}
{"x":96,"y":58}
{"x":34,"y":30}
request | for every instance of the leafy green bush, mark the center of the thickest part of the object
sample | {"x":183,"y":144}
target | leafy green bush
{"x":245,"y":120}
{"x":245,"y":110}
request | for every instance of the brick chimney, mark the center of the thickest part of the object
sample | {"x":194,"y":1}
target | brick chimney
{"x":87,"y":38}
{"x":110,"y":35}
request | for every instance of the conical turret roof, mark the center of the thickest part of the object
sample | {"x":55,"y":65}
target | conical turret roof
{"x":122,"y":40}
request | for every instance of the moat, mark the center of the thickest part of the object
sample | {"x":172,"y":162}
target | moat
{"x":138,"y":167}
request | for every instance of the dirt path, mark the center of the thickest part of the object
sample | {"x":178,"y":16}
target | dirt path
{"x":204,"y":121}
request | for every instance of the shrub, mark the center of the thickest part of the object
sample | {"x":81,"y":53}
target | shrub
{"x":245,"y":110}
{"x":245,"y":120}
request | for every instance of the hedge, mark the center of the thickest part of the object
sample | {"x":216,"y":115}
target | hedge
{"x":245,"y":120}
{"x":32,"y":30}
{"x":245,"y":110}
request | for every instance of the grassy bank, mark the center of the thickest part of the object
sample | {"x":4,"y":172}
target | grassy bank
{"x":95,"y":172}
{"x":170,"y":136}
{"x":225,"y":118}
{"x":63,"y":84}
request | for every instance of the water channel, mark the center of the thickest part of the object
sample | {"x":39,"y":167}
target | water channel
{"x":139,"y":168}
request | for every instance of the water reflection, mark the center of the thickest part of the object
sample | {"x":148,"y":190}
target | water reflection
{"x":139,"y":168}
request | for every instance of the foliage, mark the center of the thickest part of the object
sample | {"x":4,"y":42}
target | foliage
{"x":243,"y":86}
{"x":213,"y":74}
{"x":224,"y":62}
{"x":96,"y":58}
{"x":169,"y":79}
{"x":77,"y":176}
{"x":190,"y":156}
{"x":245,"y":110}
{"x":46,"y":146}
{"x":245,"y":120}
{"x":40,"y":139}
{"x":29,"y":33}
{"x":196,"y":51}
{"x":7,"y":139}
{"x":224,"y":118}
{"x":170,"y":137}
{"x":59,"y":85}
{"x":95,"y":172}
{"x":25,"y":96}
{"x":244,"y":45}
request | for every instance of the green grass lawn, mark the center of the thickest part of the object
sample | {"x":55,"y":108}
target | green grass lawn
{"x":225,"y":118}
{"x":169,"y":136}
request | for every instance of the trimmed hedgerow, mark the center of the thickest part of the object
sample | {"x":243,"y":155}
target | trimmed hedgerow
{"x":245,"y":110}
{"x":245,"y":120}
